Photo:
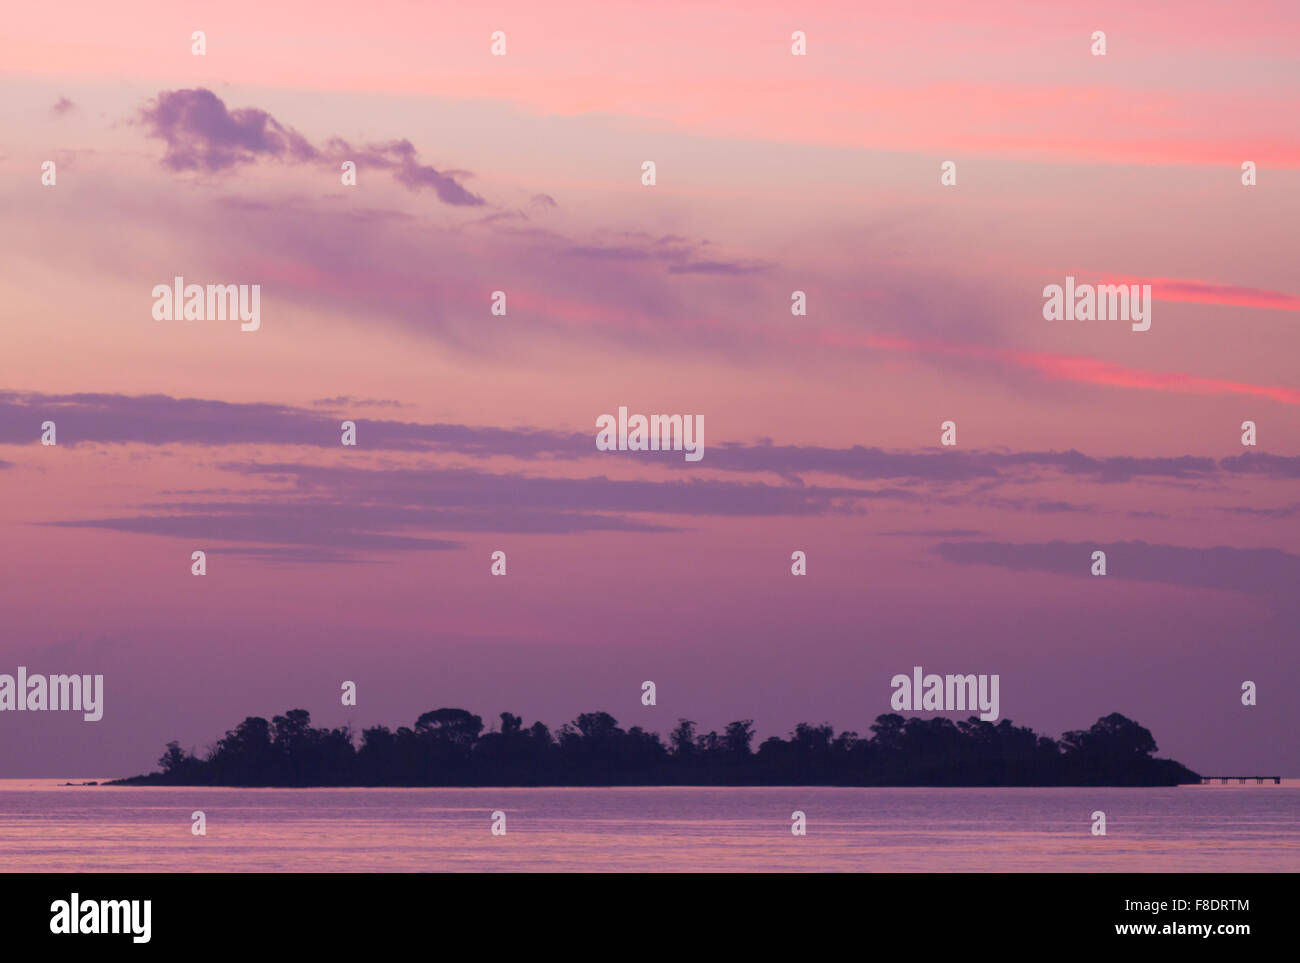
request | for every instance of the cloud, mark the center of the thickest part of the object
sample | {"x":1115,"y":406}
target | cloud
{"x":1119,"y":468}
{"x":621,"y":290}
{"x":1261,"y":463}
{"x":717,"y":267}
{"x":1058,"y":367}
{"x":346,"y":510}
{"x":201,"y":134}
{"x":1197,"y":291}
{"x":341,"y":400}
{"x":325,"y":526}
{"x":1282,"y":511}
{"x":161,"y":419}
{"x":933,"y":532}
{"x":1268,"y":571}
{"x":1034,"y":505}
{"x":939,"y":465}
{"x":681,"y":255}
{"x":389,"y":507}
{"x":290,"y":555}
{"x":855,"y":462}
{"x":431,"y":488}
{"x":399,"y":158}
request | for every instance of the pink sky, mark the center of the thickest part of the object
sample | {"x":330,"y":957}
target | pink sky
{"x":775,"y":173}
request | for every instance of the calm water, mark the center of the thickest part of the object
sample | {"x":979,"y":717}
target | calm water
{"x":47,"y":827}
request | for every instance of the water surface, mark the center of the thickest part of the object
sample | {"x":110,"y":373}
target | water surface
{"x":45,"y":826}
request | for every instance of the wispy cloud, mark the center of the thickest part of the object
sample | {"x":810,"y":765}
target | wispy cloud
{"x":348,"y":510}
{"x":1209,"y":292}
{"x":681,"y":255}
{"x":1070,"y":368}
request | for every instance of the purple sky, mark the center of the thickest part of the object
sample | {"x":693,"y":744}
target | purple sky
{"x":476,"y":432}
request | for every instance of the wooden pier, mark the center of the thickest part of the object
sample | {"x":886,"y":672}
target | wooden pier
{"x":1206,"y":780}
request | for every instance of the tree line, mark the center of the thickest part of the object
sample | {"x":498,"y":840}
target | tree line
{"x":448,"y":747}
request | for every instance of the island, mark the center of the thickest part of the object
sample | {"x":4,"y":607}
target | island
{"x":448,"y":747}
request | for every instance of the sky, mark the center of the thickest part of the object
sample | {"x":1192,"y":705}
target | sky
{"x":774,"y":173}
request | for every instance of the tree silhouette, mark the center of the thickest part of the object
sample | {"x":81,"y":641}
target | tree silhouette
{"x":448,"y":747}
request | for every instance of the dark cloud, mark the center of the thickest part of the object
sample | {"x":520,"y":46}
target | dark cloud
{"x":1267,"y":571}
{"x":860,"y":462}
{"x":934,"y":532}
{"x":717,"y":267}
{"x":399,"y":158}
{"x":1281,"y":511}
{"x":855,"y":462}
{"x":341,"y":400}
{"x":290,"y":555}
{"x":352,"y":509}
{"x":1032,"y":504}
{"x":161,"y":419}
{"x":201,"y":134}
{"x":499,"y":217}
{"x":427,"y":489}
{"x":680,"y":254}
{"x":326,"y":526}
{"x":1120,"y":468}
{"x":1261,"y":463}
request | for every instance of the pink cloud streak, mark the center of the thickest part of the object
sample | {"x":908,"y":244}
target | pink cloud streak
{"x":1194,"y":291}
{"x":1071,"y":368}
